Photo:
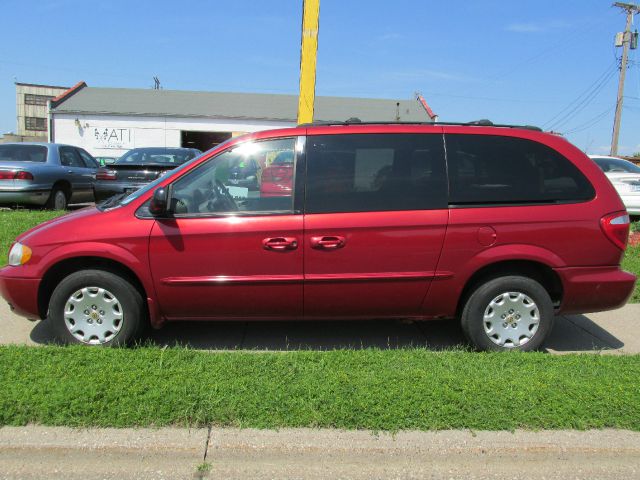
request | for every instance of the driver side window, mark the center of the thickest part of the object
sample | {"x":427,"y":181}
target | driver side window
{"x":250,"y":177}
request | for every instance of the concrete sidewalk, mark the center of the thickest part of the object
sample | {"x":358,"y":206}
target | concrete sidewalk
{"x":52,"y":453}
{"x":607,"y":332}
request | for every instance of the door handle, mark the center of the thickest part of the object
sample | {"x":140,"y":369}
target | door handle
{"x":280,"y":244}
{"x":328,"y":242}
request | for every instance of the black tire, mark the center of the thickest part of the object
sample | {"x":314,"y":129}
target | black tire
{"x":131,"y":308}
{"x":473,"y":321}
{"x":56,"y":197}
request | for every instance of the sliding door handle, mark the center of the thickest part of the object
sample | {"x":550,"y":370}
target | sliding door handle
{"x":327,"y":242}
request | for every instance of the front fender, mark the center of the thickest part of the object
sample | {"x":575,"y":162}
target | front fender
{"x":95,"y":249}
{"x":135,"y":261}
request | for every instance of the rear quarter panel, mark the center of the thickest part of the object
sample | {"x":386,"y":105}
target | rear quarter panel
{"x":563,"y":235}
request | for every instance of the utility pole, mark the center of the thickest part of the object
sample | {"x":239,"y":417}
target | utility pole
{"x":308,"y":53}
{"x":626,"y":41}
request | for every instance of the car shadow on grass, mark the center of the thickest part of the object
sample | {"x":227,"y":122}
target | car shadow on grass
{"x":311,"y":335}
{"x":291,"y":335}
{"x":575,"y":333}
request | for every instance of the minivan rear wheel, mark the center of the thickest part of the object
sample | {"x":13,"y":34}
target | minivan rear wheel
{"x":95,"y":307}
{"x":508,"y":313}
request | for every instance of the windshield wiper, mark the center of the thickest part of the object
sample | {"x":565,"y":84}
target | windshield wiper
{"x":112,"y":201}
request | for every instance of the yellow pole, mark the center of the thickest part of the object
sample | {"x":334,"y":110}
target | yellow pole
{"x":308,"y":51}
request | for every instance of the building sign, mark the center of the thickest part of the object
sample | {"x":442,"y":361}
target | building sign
{"x":113,"y":137}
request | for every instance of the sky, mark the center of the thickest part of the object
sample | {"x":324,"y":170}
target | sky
{"x":550,"y":63}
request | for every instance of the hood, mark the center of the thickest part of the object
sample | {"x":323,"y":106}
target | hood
{"x":57,"y":222}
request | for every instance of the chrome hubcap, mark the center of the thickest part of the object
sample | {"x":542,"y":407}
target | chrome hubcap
{"x":511,"y":319}
{"x":93,"y":315}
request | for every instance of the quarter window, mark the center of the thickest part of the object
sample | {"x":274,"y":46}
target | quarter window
{"x":249,"y":178}
{"x":88,"y":159}
{"x":485,"y":169}
{"x":371,"y":172}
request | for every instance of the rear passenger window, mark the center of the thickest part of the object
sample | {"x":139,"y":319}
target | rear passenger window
{"x":371,"y":172}
{"x":486,"y":169}
{"x":69,"y":157}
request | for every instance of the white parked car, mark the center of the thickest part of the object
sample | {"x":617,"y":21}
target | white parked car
{"x":625,"y":176}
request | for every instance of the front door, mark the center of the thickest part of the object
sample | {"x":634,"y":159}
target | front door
{"x":229,"y":251}
{"x":375,"y":219}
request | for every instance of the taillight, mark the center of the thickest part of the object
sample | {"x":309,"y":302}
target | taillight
{"x":15,"y":175}
{"x":23,"y":176}
{"x":616,"y":227}
{"x":106,"y":175}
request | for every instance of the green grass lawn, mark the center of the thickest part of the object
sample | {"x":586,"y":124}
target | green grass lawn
{"x":631,"y":263}
{"x":350,"y":389}
{"x":14,"y":222}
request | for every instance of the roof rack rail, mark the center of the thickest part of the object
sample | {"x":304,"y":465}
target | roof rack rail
{"x":478,"y":123}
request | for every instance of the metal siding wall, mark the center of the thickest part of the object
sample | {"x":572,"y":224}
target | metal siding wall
{"x":131,"y":132}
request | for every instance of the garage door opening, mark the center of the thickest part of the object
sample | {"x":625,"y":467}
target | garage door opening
{"x":203,"y":140}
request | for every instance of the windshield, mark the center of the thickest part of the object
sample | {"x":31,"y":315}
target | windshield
{"x":616,"y":165}
{"x":150,"y":186}
{"x":162,"y":156}
{"x":23,"y":153}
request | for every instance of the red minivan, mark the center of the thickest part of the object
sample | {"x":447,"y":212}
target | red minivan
{"x":499,"y":227}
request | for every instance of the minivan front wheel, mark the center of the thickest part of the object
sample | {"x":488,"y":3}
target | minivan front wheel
{"x":95,"y":307}
{"x":508,"y":313}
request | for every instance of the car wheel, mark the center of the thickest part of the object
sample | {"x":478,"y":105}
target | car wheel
{"x":57,"y":200}
{"x":508,"y":313}
{"x":95,"y":307}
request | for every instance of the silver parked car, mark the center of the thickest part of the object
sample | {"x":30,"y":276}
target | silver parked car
{"x":45,"y":174}
{"x":625,"y":176}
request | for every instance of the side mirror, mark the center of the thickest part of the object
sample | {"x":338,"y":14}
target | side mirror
{"x":159,"y":202}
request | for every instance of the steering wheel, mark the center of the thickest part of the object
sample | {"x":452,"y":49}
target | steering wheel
{"x":224,"y":197}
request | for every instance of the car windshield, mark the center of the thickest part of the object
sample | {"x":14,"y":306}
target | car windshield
{"x":616,"y":165}
{"x":23,"y":153}
{"x":162,"y":156}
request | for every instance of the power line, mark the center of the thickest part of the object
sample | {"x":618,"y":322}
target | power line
{"x":630,"y":10}
{"x":564,"y":43}
{"x":583,"y":100}
{"x":589,"y":123}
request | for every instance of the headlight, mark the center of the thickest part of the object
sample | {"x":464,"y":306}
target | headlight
{"x":19,"y":254}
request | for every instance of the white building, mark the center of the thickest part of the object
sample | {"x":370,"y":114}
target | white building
{"x":110,"y":121}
